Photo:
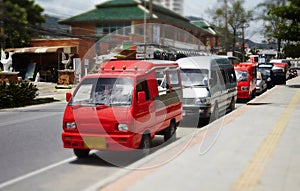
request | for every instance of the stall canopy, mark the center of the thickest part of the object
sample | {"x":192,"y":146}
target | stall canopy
{"x":45,"y":49}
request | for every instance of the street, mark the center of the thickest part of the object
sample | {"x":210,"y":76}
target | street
{"x":32,"y":155}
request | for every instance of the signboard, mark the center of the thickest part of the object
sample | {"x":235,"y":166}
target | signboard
{"x":77,"y":65}
{"x":86,"y":63}
{"x":140,"y":52}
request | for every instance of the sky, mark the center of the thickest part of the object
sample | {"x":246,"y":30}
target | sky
{"x":197,"y":8}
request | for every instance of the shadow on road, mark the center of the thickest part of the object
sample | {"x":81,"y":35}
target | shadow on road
{"x":118,"y":158}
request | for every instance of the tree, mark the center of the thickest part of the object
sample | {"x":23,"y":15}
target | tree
{"x":290,"y":29}
{"x":22,"y":19}
{"x":237,"y":17}
{"x":271,"y":22}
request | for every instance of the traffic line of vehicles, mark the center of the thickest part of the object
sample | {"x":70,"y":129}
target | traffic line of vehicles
{"x":129,"y":102}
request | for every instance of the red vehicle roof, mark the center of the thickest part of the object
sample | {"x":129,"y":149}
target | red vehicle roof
{"x":134,"y":65}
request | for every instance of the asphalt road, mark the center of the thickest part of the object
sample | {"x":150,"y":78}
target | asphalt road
{"x":32,"y":156}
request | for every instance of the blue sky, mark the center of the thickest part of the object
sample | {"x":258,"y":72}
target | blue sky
{"x":198,"y":8}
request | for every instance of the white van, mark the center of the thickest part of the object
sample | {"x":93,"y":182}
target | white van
{"x":209,"y":87}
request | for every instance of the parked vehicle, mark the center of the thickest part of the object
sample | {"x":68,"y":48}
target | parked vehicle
{"x":292,"y":73}
{"x":280,"y":73}
{"x":254,"y":59}
{"x":261,"y":84}
{"x":121,"y":108}
{"x":246,"y":80}
{"x":209,"y":87}
{"x":266,"y":70}
{"x":233,"y":59}
{"x":282,"y":61}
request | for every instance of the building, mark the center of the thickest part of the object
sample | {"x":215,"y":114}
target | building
{"x":174,"y":5}
{"x":127,"y":19}
{"x":108,"y":25}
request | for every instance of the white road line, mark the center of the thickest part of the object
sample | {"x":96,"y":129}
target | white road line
{"x":36,"y":172}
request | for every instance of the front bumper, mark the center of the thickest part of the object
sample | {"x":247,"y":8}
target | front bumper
{"x":116,"y":142}
{"x":196,"y":111}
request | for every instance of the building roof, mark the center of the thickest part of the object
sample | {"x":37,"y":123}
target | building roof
{"x":204,"y":25}
{"x":128,"y":10}
{"x":45,"y":49}
{"x":106,"y":13}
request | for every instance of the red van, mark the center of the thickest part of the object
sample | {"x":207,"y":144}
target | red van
{"x":123,"y":107}
{"x":246,"y":79}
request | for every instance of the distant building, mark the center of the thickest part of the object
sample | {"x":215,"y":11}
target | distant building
{"x":174,"y":5}
{"x":126,"y":18}
{"x":123,"y":21}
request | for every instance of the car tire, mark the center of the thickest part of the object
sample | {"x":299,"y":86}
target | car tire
{"x":81,"y":153}
{"x":232,"y":105}
{"x":170,"y":132}
{"x":145,"y":145}
{"x":216,"y":113}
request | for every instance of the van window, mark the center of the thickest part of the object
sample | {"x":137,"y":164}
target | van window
{"x":232,"y":76}
{"x":242,"y":75}
{"x":143,"y":86}
{"x":161,"y":77}
{"x":214,"y":78}
{"x":104,"y":91}
{"x":174,"y":78}
{"x":194,"y":77}
{"x":224,"y":76}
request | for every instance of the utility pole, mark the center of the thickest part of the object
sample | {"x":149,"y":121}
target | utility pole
{"x":150,"y":9}
{"x":2,"y":35}
{"x":226,"y":27}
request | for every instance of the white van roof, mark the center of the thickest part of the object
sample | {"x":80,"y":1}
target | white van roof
{"x":202,"y":62}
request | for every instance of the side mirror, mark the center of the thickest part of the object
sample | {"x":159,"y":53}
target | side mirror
{"x":141,"y":97}
{"x":68,"y":96}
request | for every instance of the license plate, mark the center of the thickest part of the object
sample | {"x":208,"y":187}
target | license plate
{"x":94,"y":142}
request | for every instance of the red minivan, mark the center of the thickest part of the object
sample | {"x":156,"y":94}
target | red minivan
{"x":246,"y":73}
{"x":123,"y":107}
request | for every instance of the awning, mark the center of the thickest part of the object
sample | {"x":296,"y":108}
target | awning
{"x":44,"y":49}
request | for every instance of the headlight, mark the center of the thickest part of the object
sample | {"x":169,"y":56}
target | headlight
{"x":123,"y":127}
{"x":204,"y":100}
{"x":71,"y":125}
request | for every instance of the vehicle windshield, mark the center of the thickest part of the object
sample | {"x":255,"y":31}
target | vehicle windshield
{"x":194,"y":77}
{"x":265,"y":71}
{"x":104,"y":91}
{"x":241,"y":75}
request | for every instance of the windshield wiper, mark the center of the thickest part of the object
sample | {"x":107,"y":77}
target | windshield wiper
{"x":199,"y":85}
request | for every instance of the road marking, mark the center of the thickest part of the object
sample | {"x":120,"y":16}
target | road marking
{"x":36,"y":172}
{"x":251,"y":175}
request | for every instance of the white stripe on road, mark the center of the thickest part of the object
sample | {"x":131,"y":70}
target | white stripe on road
{"x":31,"y":174}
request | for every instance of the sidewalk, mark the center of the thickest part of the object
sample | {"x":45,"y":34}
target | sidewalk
{"x":50,"y":90}
{"x":256,"y":147}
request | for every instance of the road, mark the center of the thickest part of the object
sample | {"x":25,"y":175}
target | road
{"x":32,"y":156}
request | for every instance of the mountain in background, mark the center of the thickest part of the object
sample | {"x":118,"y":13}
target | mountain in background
{"x":51,"y":28}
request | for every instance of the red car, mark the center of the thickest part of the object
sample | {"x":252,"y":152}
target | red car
{"x":123,"y":107}
{"x":246,"y":74}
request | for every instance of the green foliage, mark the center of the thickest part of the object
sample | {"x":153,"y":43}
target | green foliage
{"x":292,"y":50}
{"x":21,"y":19}
{"x":290,"y":29}
{"x":238,"y":19}
{"x":17,"y":94}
